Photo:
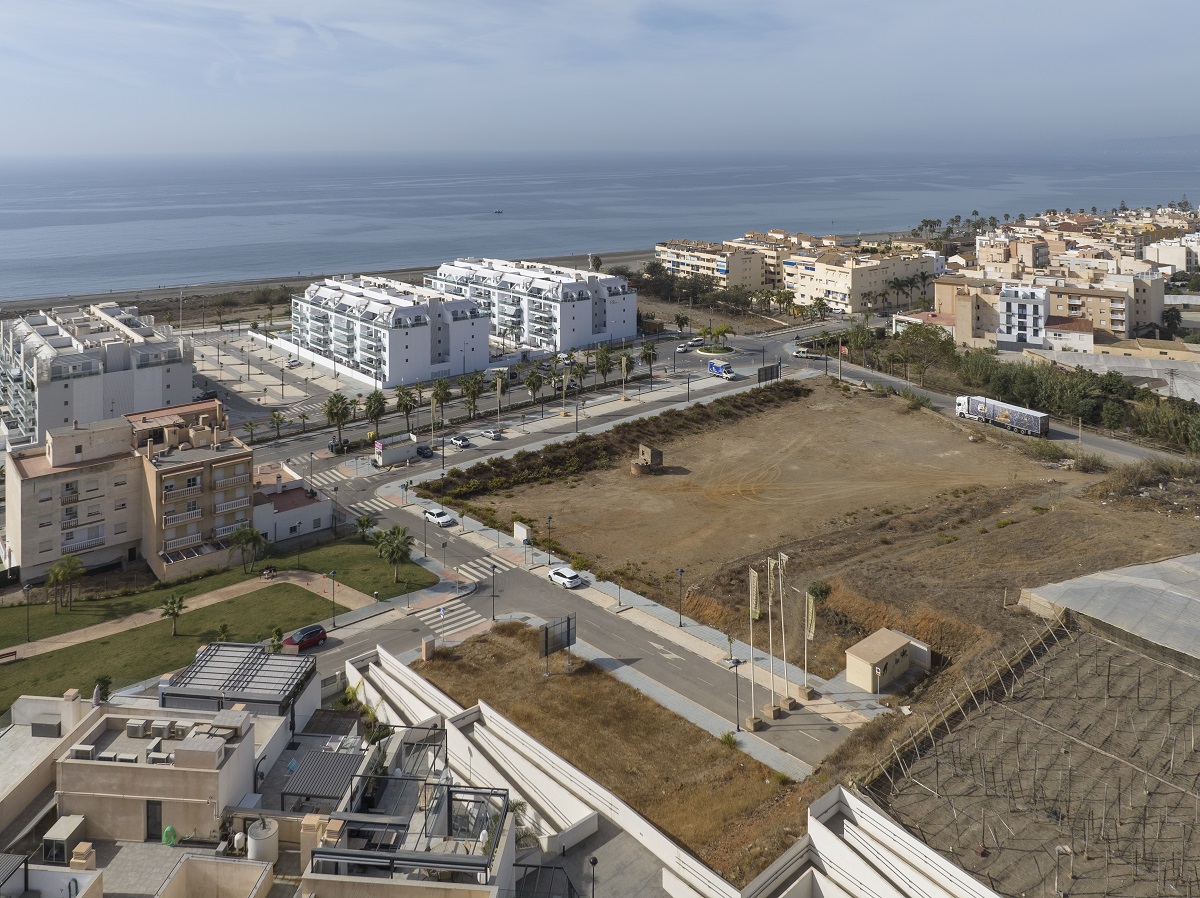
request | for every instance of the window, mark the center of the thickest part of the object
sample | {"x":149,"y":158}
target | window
{"x":120,"y":505}
{"x":316,"y":523}
{"x":194,"y":480}
{"x":45,"y":547}
{"x":293,"y":528}
{"x":120,"y":528}
{"x":121,"y":482}
{"x":192,"y":506}
{"x":45,"y":523}
{"x":78,"y":449}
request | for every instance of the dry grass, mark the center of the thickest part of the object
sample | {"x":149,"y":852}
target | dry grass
{"x":679,"y":776}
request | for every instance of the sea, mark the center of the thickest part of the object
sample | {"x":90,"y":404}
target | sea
{"x":89,"y":225}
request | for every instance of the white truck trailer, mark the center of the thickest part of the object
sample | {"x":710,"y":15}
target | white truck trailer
{"x":1003,"y":414}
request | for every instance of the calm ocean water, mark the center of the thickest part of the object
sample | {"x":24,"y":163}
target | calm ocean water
{"x":82,"y":226}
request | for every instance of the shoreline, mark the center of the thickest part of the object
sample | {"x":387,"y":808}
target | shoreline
{"x":216,"y":288}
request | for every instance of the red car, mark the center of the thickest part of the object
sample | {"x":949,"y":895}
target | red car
{"x":307,"y":637}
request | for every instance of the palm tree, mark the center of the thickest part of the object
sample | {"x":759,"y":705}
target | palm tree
{"x":375,"y":408}
{"x":821,"y":307}
{"x":250,"y":427}
{"x":649,"y":355}
{"x":869,"y":296}
{"x":923,"y":278}
{"x":568,"y":365}
{"x":395,"y":546}
{"x":604,"y":363}
{"x":681,"y":321}
{"x":705,"y":332}
{"x":172,"y":607}
{"x":65,"y":573}
{"x":223,"y":633}
{"x":534,"y":383}
{"x":250,"y":545}
{"x":721,"y":333}
{"x":278,"y":420}
{"x":364,"y":524}
{"x":354,"y":404}
{"x":438,"y":397}
{"x":625,"y":363}
{"x":337,"y":412}
{"x":579,"y":371}
{"x":471,"y":388}
{"x":406,"y":403}
{"x":303,"y":419}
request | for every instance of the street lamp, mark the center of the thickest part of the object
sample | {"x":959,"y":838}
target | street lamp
{"x":549,"y":519}
{"x":310,"y":461}
{"x":681,"y":597}
{"x":592,"y":860}
{"x":28,"y":589}
{"x":442,"y":491}
{"x":734,"y":664}
{"x":493,"y":593}
{"x":333,"y":596}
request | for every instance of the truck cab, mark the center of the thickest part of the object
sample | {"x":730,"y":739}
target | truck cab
{"x":720,"y":369}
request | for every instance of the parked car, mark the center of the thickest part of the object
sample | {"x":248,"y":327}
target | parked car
{"x":294,"y":363}
{"x":307,"y":637}
{"x":334,"y":446}
{"x":424,"y":451}
{"x":565,"y":577}
{"x":460,"y":442}
{"x":490,"y":433}
{"x":439,"y":516}
{"x":207,"y":394}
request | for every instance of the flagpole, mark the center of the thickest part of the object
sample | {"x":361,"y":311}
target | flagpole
{"x":752,"y":724}
{"x":787,"y":693}
{"x":771,"y":628}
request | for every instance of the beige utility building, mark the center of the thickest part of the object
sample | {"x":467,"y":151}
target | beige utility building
{"x":728,"y":266}
{"x":167,"y":486}
{"x":882,"y":658}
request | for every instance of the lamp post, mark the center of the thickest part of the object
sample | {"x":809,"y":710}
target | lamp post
{"x":493,"y":592}
{"x":442,"y":491}
{"x":577,"y":417}
{"x":549,"y":520}
{"x":592,"y":860}
{"x":28,"y":589}
{"x":335,"y":512}
{"x":681,"y":597}
{"x":310,"y":461}
{"x":734,"y":663}
{"x":333,"y":595}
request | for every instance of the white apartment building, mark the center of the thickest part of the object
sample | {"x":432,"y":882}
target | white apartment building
{"x":385,"y":333}
{"x":85,"y":365}
{"x":543,"y":306}
{"x":1022,"y":311}
{"x":1182,"y":253}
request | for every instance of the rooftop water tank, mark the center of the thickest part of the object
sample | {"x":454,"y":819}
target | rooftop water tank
{"x":263,"y":841}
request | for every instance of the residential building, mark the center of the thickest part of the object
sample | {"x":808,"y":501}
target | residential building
{"x":774,"y":246}
{"x":1123,"y":305}
{"x":850,"y":283}
{"x":728,"y":266}
{"x":290,"y":508}
{"x":542,"y":306}
{"x":72,"y":364}
{"x":1069,"y":334}
{"x":385,"y":333}
{"x":167,"y":486}
{"x":1181,"y":254}
{"x":1022,"y":313}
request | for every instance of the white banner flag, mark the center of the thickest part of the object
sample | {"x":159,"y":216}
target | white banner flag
{"x":755,"y":610}
{"x":810,"y":617}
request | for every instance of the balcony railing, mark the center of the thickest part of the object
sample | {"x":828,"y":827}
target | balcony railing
{"x":228,"y":528}
{"x":223,"y":507}
{"x":169,"y":520}
{"x":69,"y":498}
{"x":183,"y":542}
{"x":72,"y":548}
{"x":169,"y":494}
{"x":69,"y":523}
{"x":233,"y":480}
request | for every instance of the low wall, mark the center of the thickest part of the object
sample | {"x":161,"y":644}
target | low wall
{"x":216,"y":877}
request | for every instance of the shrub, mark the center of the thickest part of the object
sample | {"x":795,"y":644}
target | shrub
{"x":1004,"y":522}
{"x":1090,"y":463}
{"x":1043,"y":450}
{"x":729,"y":739}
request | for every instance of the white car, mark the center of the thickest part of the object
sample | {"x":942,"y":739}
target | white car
{"x":684,"y":347}
{"x":490,"y":434}
{"x":294,"y":363}
{"x":439,"y":516}
{"x":565,"y":577}
{"x":460,"y":442}
{"x":696,"y":341}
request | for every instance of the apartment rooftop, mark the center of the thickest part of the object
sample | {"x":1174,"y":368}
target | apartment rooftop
{"x":198,"y":455}
{"x":539,"y":280}
{"x":379,"y":301}
{"x":240,"y":672}
{"x":695,"y":246}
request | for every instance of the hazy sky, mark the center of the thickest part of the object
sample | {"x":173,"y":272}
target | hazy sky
{"x":176,"y":76}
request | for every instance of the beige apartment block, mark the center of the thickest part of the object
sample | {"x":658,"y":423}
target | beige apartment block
{"x":728,"y":266}
{"x":852,"y":283}
{"x":774,"y":246}
{"x":166,"y":486}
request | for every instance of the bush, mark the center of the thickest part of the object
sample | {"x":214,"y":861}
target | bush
{"x":1004,"y":522}
{"x":1090,"y":463}
{"x":729,"y":740}
{"x":1043,"y":450}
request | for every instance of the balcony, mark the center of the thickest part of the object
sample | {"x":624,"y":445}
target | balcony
{"x":235,"y":480}
{"x":170,"y":520}
{"x":69,"y":523}
{"x":223,"y":507}
{"x":73,"y":548}
{"x":169,"y":494}
{"x":69,"y":498}
{"x":227,"y":529}
{"x":183,"y":542}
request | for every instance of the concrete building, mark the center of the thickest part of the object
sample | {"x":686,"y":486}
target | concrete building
{"x":165,"y":486}
{"x":384,"y":333}
{"x":1022,"y":313}
{"x":728,"y":266}
{"x":1181,"y":254}
{"x":1069,"y":334}
{"x":85,"y":365}
{"x":874,"y":663}
{"x":851,"y":283}
{"x":289,"y":508}
{"x":775,"y":247}
{"x":542,"y":306}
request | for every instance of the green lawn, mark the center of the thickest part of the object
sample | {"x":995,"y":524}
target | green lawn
{"x":144,"y":652}
{"x":357,"y":564}
{"x":44,"y":622}
{"x":359,"y":567}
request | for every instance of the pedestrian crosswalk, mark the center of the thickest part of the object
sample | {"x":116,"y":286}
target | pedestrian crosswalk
{"x":330,"y":477}
{"x":375,"y":506}
{"x":481,"y":568}
{"x":448,"y":618}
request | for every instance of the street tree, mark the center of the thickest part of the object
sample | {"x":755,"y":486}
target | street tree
{"x":337,"y":412}
{"x":277,"y":421}
{"x":471,"y":388}
{"x":249,"y":544}
{"x":363,"y":525}
{"x":927,"y":346}
{"x":604,"y":363}
{"x":395,"y":546}
{"x":172,"y":607}
{"x":375,"y":408}
{"x":649,"y":355}
{"x":406,"y":404}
